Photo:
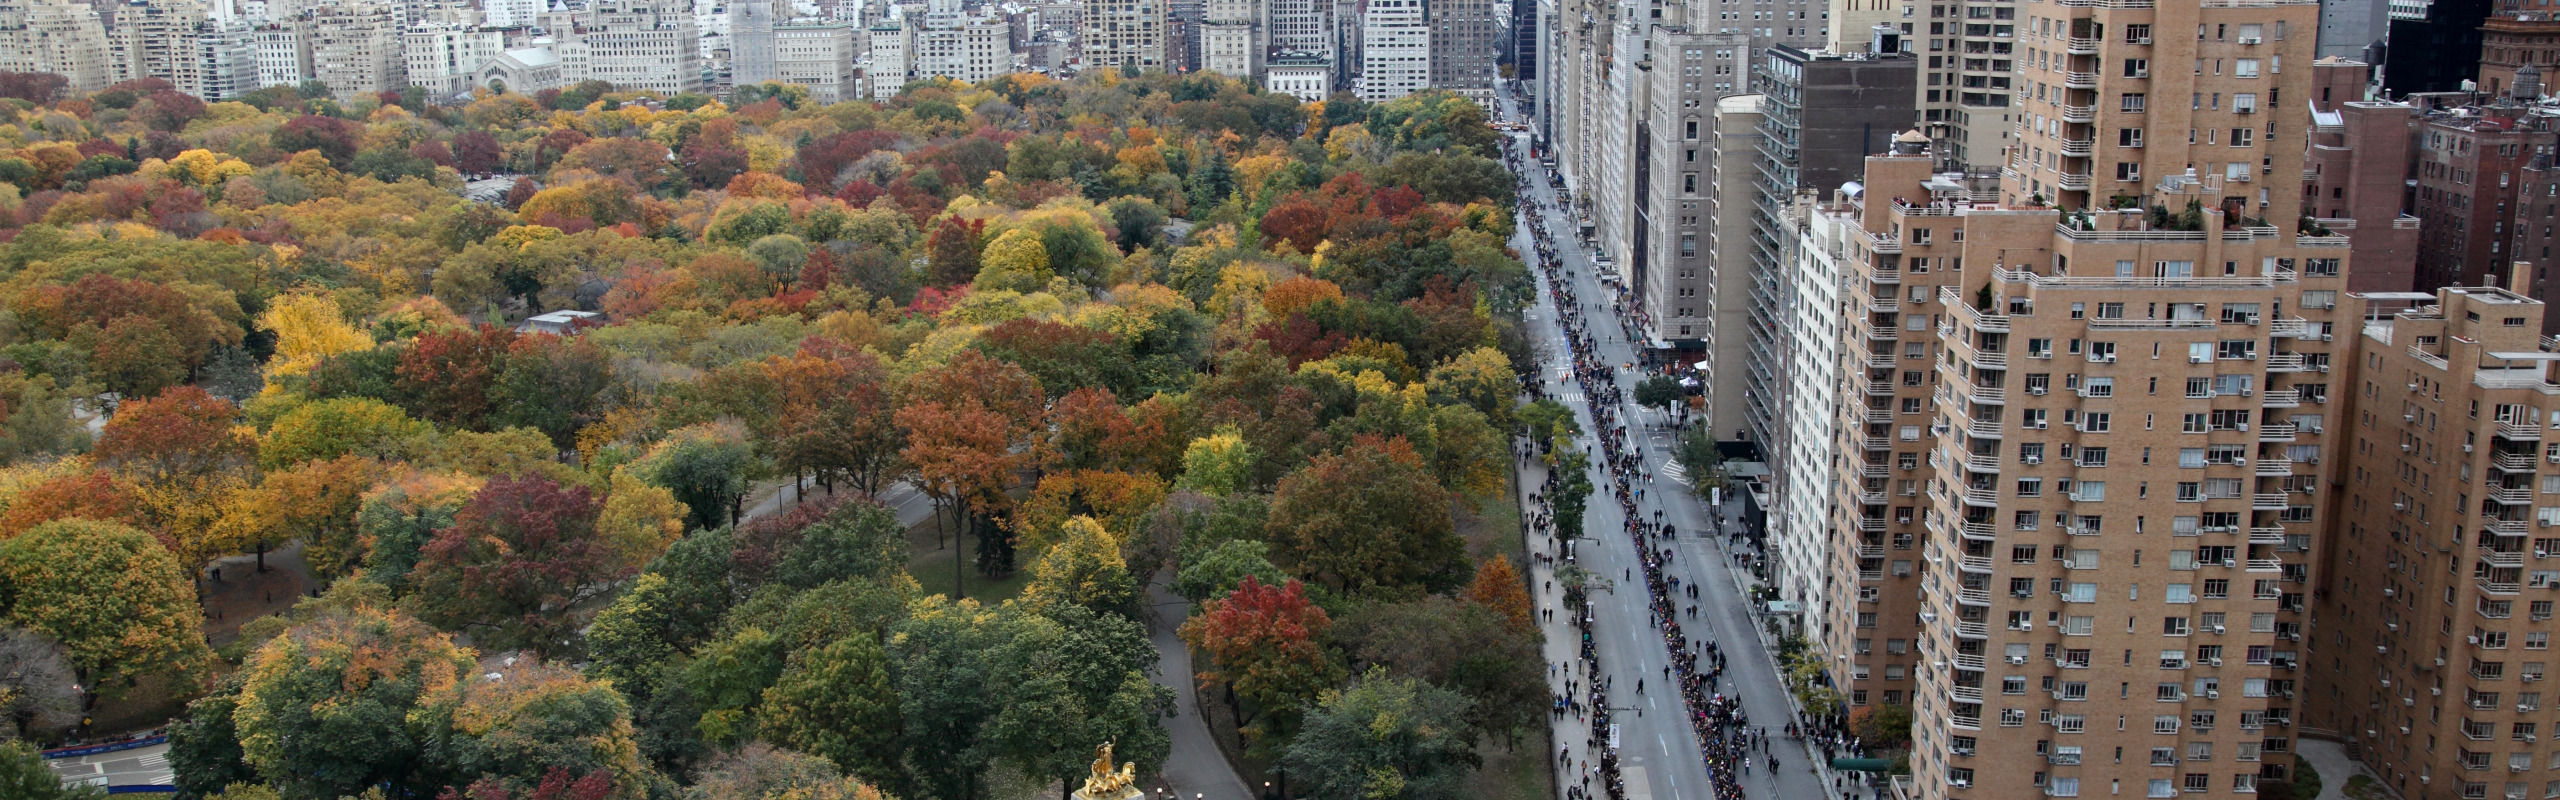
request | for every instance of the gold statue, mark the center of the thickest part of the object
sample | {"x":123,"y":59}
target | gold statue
{"x":1107,"y":783}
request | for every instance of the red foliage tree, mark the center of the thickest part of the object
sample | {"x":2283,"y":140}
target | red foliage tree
{"x":952,"y":252}
{"x":1300,"y":339}
{"x":181,"y":433}
{"x":821,"y":161}
{"x":335,"y":138}
{"x":1398,"y":201}
{"x":711,"y":165}
{"x":433,"y":150}
{"x":818,"y":272}
{"x":859,"y":193}
{"x":1297,"y":222}
{"x":88,"y":495}
{"x":445,"y":376}
{"x":1266,"y":643}
{"x":477,"y":151}
{"x":34,"y":87}
{"x":518,"y":558}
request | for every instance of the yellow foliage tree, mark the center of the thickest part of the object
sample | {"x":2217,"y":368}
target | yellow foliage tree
{"x":639,"y":521}
{"x":1015,"y":261}
{"x":308,"y":328}
{"x":206,"y":169}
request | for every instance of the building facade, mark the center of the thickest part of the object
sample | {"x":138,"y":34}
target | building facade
{"x":1230,"y":39}
{"x":642,"y":45}
{"x":891,"y":67}
{"x":445,"y":59}
{"x":1395,"y":50}
{"x":818,"y":54}
{"x":356,"y":49}
{"x":1465,"y":39}
{"x":1125,"y":33}
{"x":57,"y":36}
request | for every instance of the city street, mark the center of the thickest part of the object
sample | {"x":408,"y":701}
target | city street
{"x":1659,"y":752}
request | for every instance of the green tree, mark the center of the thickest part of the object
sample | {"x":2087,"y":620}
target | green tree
{"x":706,"y":466}
{"x":24,"y":776}
{"x":729,"y":678}
{"x":1216,"y":573}
{"x":1464,"y":647}
{"x":1385,"y":737}
{"x":839,"y":703}
{"x":348,"y":425}
{"x":110,"y":594}
{"x":946,"y":671}
{"x":204,"y":743}
{"x":1574,"y":497}
{"x":1074,"y":679}
{"x":1658,"y":392}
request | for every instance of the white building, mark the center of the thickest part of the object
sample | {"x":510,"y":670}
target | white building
{"x":1800,"y":525}
{"x":1304,"y":77}
{"x":893,"y":47}
{"x":1395,"y":50}
{"x":818,"y":54}
{"x":1231,"y":40}
{"x":509,"y":13}
{"x":57,"y":36}
{"x":1126,"y":33}
{"x":443,"y":58}
{"x":523,"y":71}
{"x":1298,"y":28}
{"x":284,"y":52}
{"x":226,"y":61}
{"x":356,"y":49}
{"x":155,"y":40}
{"x":643,"y":45}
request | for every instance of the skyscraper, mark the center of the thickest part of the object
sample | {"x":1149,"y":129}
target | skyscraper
{"x":1124,"y":33}
{"x":1395,"y":50}
{"x":643,"y":44}
{"x":1464,"y":41}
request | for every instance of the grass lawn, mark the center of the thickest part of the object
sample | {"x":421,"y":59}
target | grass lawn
{"x":1514,"y":774}
{"x":932,"y":567}
{"x":2364,"y":787}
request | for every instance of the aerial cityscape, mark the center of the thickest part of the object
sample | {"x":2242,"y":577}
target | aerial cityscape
{"x":1266,"y":399}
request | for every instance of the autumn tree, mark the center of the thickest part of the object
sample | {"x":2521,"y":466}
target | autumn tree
{"x":358,"y":426}
{"x":308,"y":328}
{"x":967,"y":422}
{"x":314,"y":501}
{"x":1458,"y":645}
{"x":706,"y":467}
{"x":446,"y":376}
{"x":92,"y":495}
{"x":182,"y":433}
{"x":1083,"y":567}
{"x":329,"y":709}
{"x":1498,"y":587}
{"x":952,"y":251}
{"x":1266,"y":645}
{"x":519,"y":558}
{"x":1073,"y":677}
{"x":110,"y":594}
{"x":1385,"y":737}
{"x":1219,"y":570}
{"x":1370,"y":517}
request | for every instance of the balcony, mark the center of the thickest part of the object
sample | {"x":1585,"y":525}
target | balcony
{"x":1876,"y":442}
{"x":2081,"y":46}
{"x":2274,"y":467}
{"x":2080,"y":80}
{"x":2287,"y":362}
{"x":1871,"y":524}
{"x":2266,"y":535}
{"x":2511,"y":496}
{"x":1983,"y":429}
{"x":2290,"y":328}
{"x":1885,"y":275}
{"x":1965,"y":723}
{"x":1977,"y":531}
{"x":1880,"y":360}
{"x":1879,"y":389}
{"x":2503,"y":558}
{"x":1974,"y":597}
{"x":1970,"y":694}
{"x":1980,"y":320}
{"x":1876,"y":305}
{"x":1870,"y":551}
{"x":2277,"y":432}
{"x":2079,"y":113}
{"x":1974,"y":563}
{"x":1879,"y":244}
{"x":2077,"y":148}
{"x":1973,"y":630}
{"x":1972,"y":661}
{"x":2508,"y":527}
{"x":2282,"y":398}
{"x":2073,"y":181}
{"x":1986,"y":498}
{"x":2265,"y":565}
{"x":2500,"y":588}
{"x":2519,"y":431}
{"x":1983,"y":360}
{"x":1981,"y":463}
{"x":1987,"y":395}
{"x":1875,"y":334}
{"x":2268,"y":501}
{"x":2512,"y":462}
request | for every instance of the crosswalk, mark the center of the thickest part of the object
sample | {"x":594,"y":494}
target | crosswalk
{"x":1678,"y":474}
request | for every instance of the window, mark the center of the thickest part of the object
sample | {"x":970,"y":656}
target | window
{"x":2245,"y":68}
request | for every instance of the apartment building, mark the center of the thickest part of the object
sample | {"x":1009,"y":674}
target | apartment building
{"x":284,"y":52}
{"x":640,"y":45}
{"x":1464,"y":41}
{"x":2520,"y":33}
{"x":1802,"y":517}
{"x":226,"y":55}
{"x":356,"y":49}
{"x":819,"y":54}
{"x":156,"y":40}
{"x":1307,"y":78}
{"x":1395,"y":50}
{"x":2112,"y":418}
{"x":1725,"y":336}
{"x":2355,"y":176}
{"x":1970,"y":66}
{"x":1126,"y":33}
{"x":62,"y":37}
{"x":752,"y":56}
{"x":2468,"y":161}
{"x":893,"y":47}
{"x":444,"y":58}
{"x":1231,"y":39}
{"x":963,"y":46}
{"x":2433,"y":633}
{"x":1298,"y":28}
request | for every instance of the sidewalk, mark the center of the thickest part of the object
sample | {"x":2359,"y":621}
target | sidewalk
{"x":1194,"y":768}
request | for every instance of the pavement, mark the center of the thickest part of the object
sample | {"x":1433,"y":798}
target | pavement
{"x":1658,"y":751}
{"x":2331,"y":761}
{"x":141,"y":766}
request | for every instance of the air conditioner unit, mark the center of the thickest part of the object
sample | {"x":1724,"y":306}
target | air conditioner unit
{"x":2466,"y":448}
{"x":2214,"y":661}
{"x":2439,"y":662}
{"x":2391,"y":626}
{"x":2033,"y":459}
{"x":2211,"y":694}
{"x":2404,"y":730}
{"x":2436,"y":690}
{"x":2472,"y":639}
{"x":2228,"y":562}
{"x":2248,"y":392}
{"x":2036,"y":390}
{"x":2244,"y":427}
{"x":2413,"y":386}
{"x":2017,"y":659}
{"x":2217,"y":629}
{"x":2198,"y":360}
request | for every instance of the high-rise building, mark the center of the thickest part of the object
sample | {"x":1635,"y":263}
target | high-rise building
{"x":63,"y":37}
{"x":2089,"y":414}
{"x":1298,"y":27}
{"x":2436,"y":51}
{"x":962,"y":46}
{"x":2354,"y":29}
{"x":751,"y":43}
{"x":356,"y":49}
{"x":1125,"y":33}
{"x":444,"y":57}
{"x":2433,"y":632}
{"x":1464,"y":41}
{"x":1966,"y":90}
{"x":2520,"y":33}
{"x":284,"y":52}
{"x":893,"y":47}
{"x":1231,"y":40}
{"x":1826,"y":228}
{"x":643,"y":45}
{"x":157,"y":40}
{"x":2355,"y":176}
{"x":1395,"y":50}
{"x":1307,"y":78}
{"x":819,"y":54}
{"x":226,"y":60}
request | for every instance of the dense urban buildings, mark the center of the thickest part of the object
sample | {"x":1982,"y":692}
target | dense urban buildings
{"x":1395,"y":50}
{"x":1125,"y":33}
